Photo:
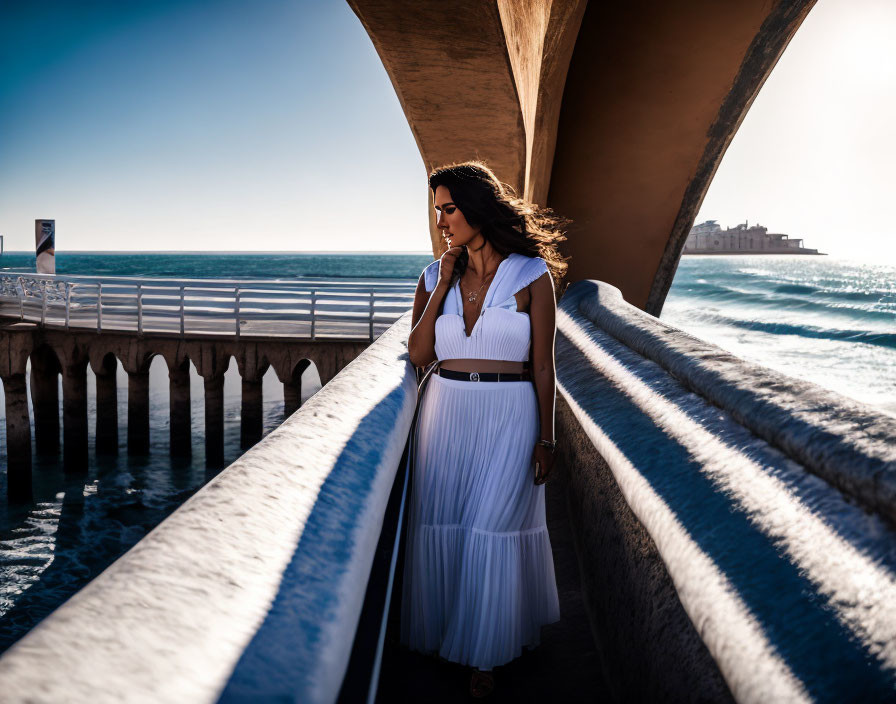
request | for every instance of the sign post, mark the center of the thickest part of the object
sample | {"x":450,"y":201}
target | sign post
{"x":45,"y":244}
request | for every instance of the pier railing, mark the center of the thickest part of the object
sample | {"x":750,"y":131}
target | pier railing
{"x":357,"y":309}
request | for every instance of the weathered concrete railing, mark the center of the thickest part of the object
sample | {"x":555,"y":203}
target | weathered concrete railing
{"x":252,"y":590}
{"x":310,"y":309}
{"x":735,"y":526}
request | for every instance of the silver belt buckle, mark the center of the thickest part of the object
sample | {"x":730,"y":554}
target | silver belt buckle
{"x":474,"y":376}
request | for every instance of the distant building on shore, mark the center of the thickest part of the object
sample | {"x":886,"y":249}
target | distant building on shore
{"x":709,"y":238}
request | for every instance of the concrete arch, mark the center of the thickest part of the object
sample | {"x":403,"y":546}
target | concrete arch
{"x":105,"y":369}
{"x":54,"y":352}
{"x":73,"y":355}
{"x":483,"y":80}
{"x":210,"y":359}
{"x":433,"y":49}
{"x":16,"y":352}
{"x":135,"y":354}
{"x":292,"y":387}
{"x":615,"y":115}
{"x":44,"y":355}
{"x":45,"y":370}
{"x":99,"y":359}
{"x":252,"y":366}
{"x":13,"y":366}
{"x":175,"y":354}
{"x":251,"y":362}
{"x":645,"y":124}
{"x":179,"y":409}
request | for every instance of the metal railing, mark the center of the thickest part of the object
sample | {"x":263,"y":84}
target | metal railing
{"x":311,"y":309}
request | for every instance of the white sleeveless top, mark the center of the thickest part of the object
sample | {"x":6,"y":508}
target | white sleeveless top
{"x":501,"y":332}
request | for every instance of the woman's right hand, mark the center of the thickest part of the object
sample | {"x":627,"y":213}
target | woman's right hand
{"x":446,"y":264}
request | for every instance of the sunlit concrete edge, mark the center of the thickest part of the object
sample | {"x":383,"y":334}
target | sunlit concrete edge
{"x":191,"y":612}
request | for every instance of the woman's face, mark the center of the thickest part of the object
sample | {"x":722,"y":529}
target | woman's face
{"x":454,"y":226}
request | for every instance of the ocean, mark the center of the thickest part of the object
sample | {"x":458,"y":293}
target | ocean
{"x":275,"y":266}
{"x":827,"y":320}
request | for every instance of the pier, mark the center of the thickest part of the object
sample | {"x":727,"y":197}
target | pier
{"x":58,"y":325}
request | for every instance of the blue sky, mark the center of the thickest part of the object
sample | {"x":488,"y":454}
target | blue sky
{"x":267,"y":125}
{"x":814,"y":156}
{"x":272,"y":125}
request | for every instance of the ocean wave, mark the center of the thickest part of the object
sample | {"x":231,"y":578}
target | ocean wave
{"x":795,"y":288}
{"x":846,"y":294}
{"x":861,"y":308}
{"x":878,"y":339}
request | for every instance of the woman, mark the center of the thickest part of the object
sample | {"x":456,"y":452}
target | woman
{"x":479,"y":574}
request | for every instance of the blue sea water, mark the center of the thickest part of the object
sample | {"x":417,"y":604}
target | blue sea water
{"x":825,"y":320}
{"x":818,"y":318}
{"x":233,"y":265}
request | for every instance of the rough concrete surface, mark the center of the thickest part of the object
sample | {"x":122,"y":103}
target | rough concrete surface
{"x":684,"y":511}
{"x":251,"y":590}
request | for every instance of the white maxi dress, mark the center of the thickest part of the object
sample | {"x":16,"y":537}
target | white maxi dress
{"x":479,"y":573}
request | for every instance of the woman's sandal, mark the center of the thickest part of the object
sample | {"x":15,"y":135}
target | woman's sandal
{"x":481,"y":684}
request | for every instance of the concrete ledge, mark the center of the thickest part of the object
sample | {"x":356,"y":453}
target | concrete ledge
{"x":715,"y":563}
{"x":847,"y":443}
{"x":251,"y":591}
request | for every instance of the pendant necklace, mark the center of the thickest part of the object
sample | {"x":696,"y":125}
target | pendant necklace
{"x":472,"y":295}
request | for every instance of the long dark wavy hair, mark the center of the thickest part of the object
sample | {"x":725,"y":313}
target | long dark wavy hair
{"x":507,"y":222}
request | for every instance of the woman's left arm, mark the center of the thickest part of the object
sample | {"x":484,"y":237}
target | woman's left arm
{"x":543,"y":314}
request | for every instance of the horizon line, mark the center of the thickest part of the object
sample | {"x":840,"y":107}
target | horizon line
{"x":227,"y":251}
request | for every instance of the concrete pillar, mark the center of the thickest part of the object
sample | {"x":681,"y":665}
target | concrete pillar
{"x":179,"y":412}
{"x":74,"y":418}
{"x":251,"y":413}
{"x":18,"y":438}
{"x":292,"y":396}
{"x":106,"y":413}
{"x":292,"y":389}
{"x":327,"y":367}
{"x":138,"y":413}
{"x":45,"y":400}
{"x":214,"y":421}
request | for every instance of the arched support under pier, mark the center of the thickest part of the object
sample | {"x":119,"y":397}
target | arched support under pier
{"x":292,"y":396}
{"x":53,"y":352}
{"x":251,"y":413}
{"x":45,"y":371}
{"x":18,"y":438}
{"x":252,"y":365}
{"x":330,"y":364}
{"x":180,"y":442}
{"x":211,"y":362}
{"x":138,"y":412}
{"x":13,"y":363}
{"x":107,"y":406}
{"x":292,"y":389}
{"x":74,"y":417}
{"x":214,"y":421}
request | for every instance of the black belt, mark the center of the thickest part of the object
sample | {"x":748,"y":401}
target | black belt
{"x":482,"y":376}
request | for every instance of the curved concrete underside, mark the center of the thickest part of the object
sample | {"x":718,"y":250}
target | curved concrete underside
{"x":614,"y":114}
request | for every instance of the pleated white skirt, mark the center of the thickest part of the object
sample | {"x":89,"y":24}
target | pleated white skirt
{"x":479,"y":573}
